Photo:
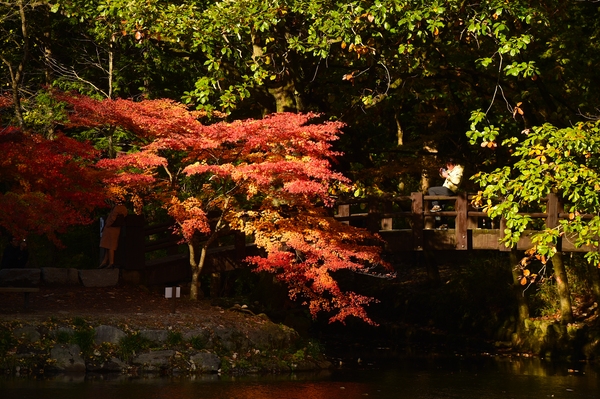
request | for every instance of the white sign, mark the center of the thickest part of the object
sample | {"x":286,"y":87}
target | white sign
{"x":169,"y":292}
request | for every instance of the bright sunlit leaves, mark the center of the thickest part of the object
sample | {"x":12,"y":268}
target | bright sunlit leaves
{"x":271,"y":179}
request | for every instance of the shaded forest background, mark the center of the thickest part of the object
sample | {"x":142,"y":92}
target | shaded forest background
{"x":404,"y":77}
{"x":413,"y":83}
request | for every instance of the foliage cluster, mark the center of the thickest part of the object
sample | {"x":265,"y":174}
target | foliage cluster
{"x":269,"y":179}
{"x":549,"y":160}
{"x":402,"y":74}
{"x":407,"y":78}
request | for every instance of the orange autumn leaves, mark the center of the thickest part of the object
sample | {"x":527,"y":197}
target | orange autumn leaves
{"x":271,"y":179}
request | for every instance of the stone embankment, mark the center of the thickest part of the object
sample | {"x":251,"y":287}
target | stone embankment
{"x":137,"y":335}
{"x":76,"y":346}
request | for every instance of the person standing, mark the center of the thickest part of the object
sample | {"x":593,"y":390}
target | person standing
{"x":453,"y":176}
{"x":110,"y":234}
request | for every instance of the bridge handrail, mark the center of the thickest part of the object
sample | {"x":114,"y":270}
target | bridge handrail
{"x":378,"y":216}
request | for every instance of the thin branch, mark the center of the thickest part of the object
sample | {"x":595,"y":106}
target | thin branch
{"x":70,"y":73}
{"x":389,"y":79}
{"x":589,"y":117}
{"x":316,"y":71}
{"x":497,"y":84}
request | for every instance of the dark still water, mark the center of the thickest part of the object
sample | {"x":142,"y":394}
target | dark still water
{"x":416,"y":379}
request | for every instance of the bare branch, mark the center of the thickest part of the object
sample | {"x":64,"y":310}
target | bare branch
{"x":71,"y":73}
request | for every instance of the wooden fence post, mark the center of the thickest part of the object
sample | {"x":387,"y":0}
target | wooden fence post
{"x":343,"y":211}
{"x":387,"y":223}
{"x":417,"y":220}
{"x":373,"y":217}
{"x":461,"y":222}
{"x":552,"y":211}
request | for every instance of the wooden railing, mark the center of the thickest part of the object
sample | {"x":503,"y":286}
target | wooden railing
{"x":407,"y":224}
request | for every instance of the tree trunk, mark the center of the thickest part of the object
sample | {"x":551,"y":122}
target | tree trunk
{"x":285,"y":100}
{"x":195,"y":272}
{"x":17,"y":74}
{"x":399,"y":132}
{"x":197,"y":269}
{"x":523,"y":307}
{"x":47,"y":41}
{"x":111,"y":60}
{"x":562,"y":285}
{"x":283,"y":90}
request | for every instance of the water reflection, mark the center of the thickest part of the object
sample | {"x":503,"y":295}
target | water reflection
{"x":422,"y":378}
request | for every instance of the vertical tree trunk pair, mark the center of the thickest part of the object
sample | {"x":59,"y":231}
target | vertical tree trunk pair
{"x":193,"y":244}
{"x":197,"y":266}
{"x":197,"y":271}
{"x":553,"y":208}
{"x":562,"y":287}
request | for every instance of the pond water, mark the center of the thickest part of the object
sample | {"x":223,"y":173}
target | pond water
{"x":434,"y":378}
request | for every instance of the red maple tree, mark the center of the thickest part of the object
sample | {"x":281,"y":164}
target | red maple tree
{"x":46,"y":185}
{"x":270,"y":179}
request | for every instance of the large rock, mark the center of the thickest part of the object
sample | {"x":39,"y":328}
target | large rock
{"x":60,"y":276}
{"x":231,"y":339}
{"x":156,"y":336}
{"x":27,"y":334}
{"x":206,"y":362}
{"x":108,"y":334}
{"x":272,"y":336}
{"x":67,"y":358}
{"x":201,"y":337}
{"x":99,"y":277}
{"x":154,"y":361}
{"x":20,"y":277}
